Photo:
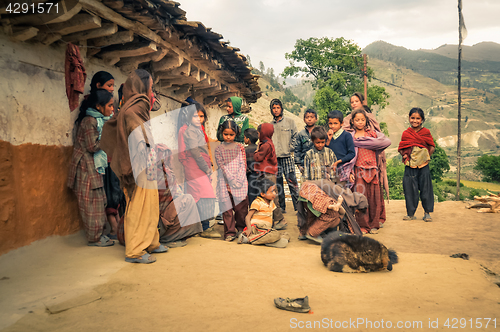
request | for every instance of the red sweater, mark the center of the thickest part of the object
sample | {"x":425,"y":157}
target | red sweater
{"x":265,"y":157}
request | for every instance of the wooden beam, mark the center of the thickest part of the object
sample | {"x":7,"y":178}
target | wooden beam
{"x":127,"y":65}
{"x":168,"y":63}
{"x":141,"y":30}
{"x":128,"y":50}
{"x":121,"y":37}
{"x":66,"y":9}
{"x":50,"y":38}
{"x":106,"y":29}
{"x":24,"y":34}
{"x":78,"y":23}
{"x":184,"y":69}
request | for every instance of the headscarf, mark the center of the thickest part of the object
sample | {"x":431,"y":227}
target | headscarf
{"x":236,"y":101}
{"x":115,"y":133}
{"x":266,"y":133}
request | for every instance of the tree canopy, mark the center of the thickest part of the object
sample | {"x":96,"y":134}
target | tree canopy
{"x":490,"y":167}
{"x":336,"y":68}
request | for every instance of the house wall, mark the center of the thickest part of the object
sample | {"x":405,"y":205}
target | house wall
{"x":36,"y":141}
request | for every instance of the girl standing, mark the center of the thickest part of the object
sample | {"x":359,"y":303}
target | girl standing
{"x":416,"y":147}
{"x":232,"y":187}
{"x":365,"y":174}
{"x":233,"y":109}
{"x":88,"y":164}
{"x":194,"y":156}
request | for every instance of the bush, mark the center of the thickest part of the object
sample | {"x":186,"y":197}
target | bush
{"x":490,"y":167}
{"x":395,"y":172}
{"x":473,"y":192}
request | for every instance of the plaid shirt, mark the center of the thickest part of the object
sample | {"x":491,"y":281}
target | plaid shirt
{"x":285,"y":166}
{"x":319,"y":199}
{"x":318,"y":164}
{"x":232,"y":166}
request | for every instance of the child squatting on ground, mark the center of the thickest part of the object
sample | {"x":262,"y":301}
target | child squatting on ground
{"x":416,"y":147}
{"x":259,"y":220}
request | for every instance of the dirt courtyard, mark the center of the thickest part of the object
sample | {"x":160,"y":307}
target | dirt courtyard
{"x":60,"y":284}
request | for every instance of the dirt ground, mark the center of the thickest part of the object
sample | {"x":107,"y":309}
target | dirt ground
{"x":60,"y":284}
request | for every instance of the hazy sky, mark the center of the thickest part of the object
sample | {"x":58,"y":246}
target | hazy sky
{"x":267,"y":29}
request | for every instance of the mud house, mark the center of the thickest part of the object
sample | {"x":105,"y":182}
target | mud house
{"x":185,"y":59}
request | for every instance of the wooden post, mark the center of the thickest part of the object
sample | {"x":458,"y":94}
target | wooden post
{"x":459,"y":81}
{"x":365,"y":74}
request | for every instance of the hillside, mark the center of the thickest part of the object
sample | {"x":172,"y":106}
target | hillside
{"x":485,"y":51}
{"x":480,"y":133}
{"x":484,"y":75}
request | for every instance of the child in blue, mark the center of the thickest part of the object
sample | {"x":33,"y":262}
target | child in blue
{"x":341,"y":142}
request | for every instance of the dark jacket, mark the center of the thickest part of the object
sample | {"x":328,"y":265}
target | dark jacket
{"x":303,"y":144}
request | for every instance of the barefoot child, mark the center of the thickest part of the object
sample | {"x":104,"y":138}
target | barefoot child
{"x":365,"y":174}
{"x":342,"y":144}
{"x":319,"y":162}
{"x":416,"y":147}
{"x":232,"y":181}
{"x":259,"y":220}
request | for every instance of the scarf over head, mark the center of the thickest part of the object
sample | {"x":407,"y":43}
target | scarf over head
{"x":115,"y":133}
{"x":236,"y":101}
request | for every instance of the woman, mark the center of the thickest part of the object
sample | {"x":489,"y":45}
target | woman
{"x":128,"y":140}
{"x":85,"y":176}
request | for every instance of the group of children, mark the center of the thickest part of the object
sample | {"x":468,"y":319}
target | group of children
{"x":348,"y":154}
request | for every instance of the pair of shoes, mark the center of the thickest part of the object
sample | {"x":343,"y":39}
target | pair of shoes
{"x":104,"y":241}
{"x":317,"y":239}
{"x":144,"y":259}
{"x":230,"y":238}
{"x":409,"y":218}
{"x":427,"y":217}
{"x":302,"y":237}
{"x":159,"y":250}
{"x":242,"y":238}
{"x":281,"y":225}
{"x":210,"y":233}
{"x":373,"y":231}
{"x":176,"y":244}
{"x":295,"y":305}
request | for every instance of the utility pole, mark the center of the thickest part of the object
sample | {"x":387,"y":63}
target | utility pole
{"x":365,"y":74}
{"x":459,"y":81}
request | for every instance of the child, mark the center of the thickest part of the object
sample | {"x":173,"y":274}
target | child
{"x":194,"y":156}
{"x":416,"y":147}
{"x":88,"y":164}
{"x":259,"y":220}
{"x":341,"y":143}
{"x":266,"y":164}
{"x":303,"y":141}
{"x":251,"y":137}
{"x":319,"y":161}
{"x":365,"y":174}
{"x":233,"y":109}
{"x":232,"y":181}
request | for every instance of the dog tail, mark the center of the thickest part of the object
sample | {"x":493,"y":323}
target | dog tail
{"x":393,"y":256}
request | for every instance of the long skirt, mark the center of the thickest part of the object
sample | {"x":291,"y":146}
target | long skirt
{"x":141,"y":217}
{"x":91,"y":203}
{"x":375,"y":214}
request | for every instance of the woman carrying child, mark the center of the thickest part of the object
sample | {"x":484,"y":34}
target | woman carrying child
{"x":365,"y":174}
{"x":88,"y":164}
{"x":194,"y":156}
{"x":417,"y":147}
{"x":232,"y":187}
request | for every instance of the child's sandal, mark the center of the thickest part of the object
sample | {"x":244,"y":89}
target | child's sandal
{"x":230,"y":238}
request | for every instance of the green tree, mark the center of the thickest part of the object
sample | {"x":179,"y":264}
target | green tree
{"x":336,"y":68}
{"x":439,"y":163}
{"x":395,"y":172}
{"x":490,"y":167}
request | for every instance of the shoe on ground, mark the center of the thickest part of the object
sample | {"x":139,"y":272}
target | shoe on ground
{"x":373,"y":231}
{"x":219,"y":217}
{"x":409,"y":218}
{"x":210,"y":233}
{"x":281,"y":225}
{"x":380,"y":225}
{"x":427,"y":217}
{"x":242,"y":239}
{"x":295,"y":305}
{"x":302,"y":237}
{"x":317,"y":239}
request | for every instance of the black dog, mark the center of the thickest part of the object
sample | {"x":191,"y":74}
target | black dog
{"x":342,"y":252}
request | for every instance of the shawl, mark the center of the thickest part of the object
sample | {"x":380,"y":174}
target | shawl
{"x":411,"y":138}
{"x":100,"y":157}
{"x":75,"y":75}
{"x":115,"y":132}
{"x":236,"y":101}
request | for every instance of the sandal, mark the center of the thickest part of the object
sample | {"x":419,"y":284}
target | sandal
{"x":281,"y":225}
{"x":296,"y":305}
{"x":104,"y":241}
{"x":230,"y":238}
{"x":373,"y":231}
{"x":317,"y":239}
{"x":176,"y":244}
{"x":145,"y":259}
{"x":427,"y":217}
{"x":159,"y":250}
{"x":409,"y":218}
